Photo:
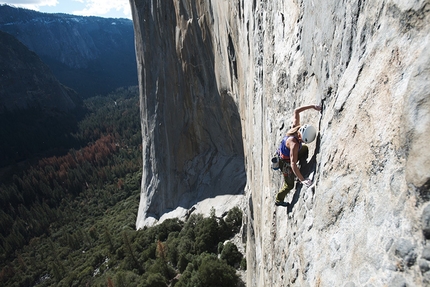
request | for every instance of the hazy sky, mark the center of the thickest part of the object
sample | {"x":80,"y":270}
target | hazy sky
{"x":102,"y":8}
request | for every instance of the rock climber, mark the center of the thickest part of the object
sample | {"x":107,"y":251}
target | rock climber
{"x":292,"y":150}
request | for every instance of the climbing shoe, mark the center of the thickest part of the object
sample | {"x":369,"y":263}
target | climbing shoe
{"x":282,"y":203}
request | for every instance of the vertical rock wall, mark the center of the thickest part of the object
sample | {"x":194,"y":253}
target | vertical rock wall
{"x":192,"y":135}
{"x":217,"y":76}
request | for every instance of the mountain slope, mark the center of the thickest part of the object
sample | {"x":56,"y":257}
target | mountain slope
{"x":26,"y":82}
{"x":92,"y":55}
{"x":36,"y":111}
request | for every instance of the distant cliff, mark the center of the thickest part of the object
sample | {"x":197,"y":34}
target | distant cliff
{"x":216,"y":76}
{"x":26,"y":82}
{"x":92,"y":55}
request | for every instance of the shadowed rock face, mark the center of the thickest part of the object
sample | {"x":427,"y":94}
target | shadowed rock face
{"x":192,"y":147}
{"x":248,"y":64}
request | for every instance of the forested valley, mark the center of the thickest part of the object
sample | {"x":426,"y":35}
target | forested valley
{"x":69,"y":219}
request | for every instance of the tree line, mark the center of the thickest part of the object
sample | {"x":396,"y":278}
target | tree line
{"x":28,"y":199}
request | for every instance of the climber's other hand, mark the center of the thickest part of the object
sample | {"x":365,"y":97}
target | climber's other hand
{"x":307,"y":182}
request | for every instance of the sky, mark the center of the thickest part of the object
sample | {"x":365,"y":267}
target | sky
{"x":101,"y":8}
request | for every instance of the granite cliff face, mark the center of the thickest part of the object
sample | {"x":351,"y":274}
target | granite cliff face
{"x":219,"y":81}
{"x":191,"y":127}
{"x":92,"y":55}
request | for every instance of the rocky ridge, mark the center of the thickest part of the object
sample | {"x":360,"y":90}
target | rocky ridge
{"x":216,"y":76}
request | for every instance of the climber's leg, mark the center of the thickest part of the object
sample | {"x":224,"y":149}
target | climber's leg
{"x":288,"y":185}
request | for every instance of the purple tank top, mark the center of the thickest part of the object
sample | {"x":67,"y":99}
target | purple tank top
{"x":284,"y":152}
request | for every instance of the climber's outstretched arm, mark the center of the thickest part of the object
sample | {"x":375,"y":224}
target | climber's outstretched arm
{"x":296,"y":115}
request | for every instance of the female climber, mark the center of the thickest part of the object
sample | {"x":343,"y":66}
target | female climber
{"x":292,"y":150}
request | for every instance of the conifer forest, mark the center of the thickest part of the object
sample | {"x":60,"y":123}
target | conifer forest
{"x":68,"y":208}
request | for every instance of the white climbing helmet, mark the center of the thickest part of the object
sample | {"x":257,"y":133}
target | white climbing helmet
{"x":308,"y":132}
